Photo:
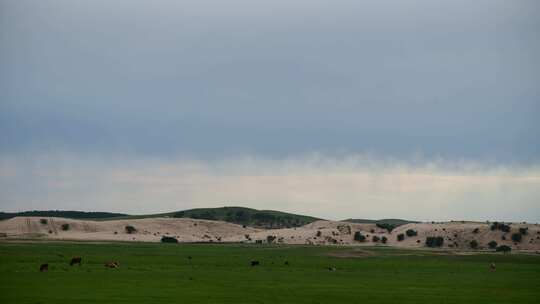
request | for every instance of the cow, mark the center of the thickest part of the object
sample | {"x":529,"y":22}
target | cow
{"x":332,"y":268}
{"x":75,"y":260}
{"x":44,"y":268}
{"x":255,"y":263}
{"x":492,"y":267}
{"x":114,"y":264}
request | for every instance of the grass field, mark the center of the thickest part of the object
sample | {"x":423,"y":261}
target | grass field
{"x":162,"y":273}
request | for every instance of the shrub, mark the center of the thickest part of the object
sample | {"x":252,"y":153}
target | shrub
{"x":168,"y":239}
{"x":384,"y":240}
{"x":476,"y":230}
{"x":411,"y":232}
{"x":400,"y":237}
{"x":359,"y":237}
{"x":43,"y":221}
{"x":319,"y":233}
{"x":473,"y":244}
{"x":492,"y":244}
{"x":130,"y":229}
{"x":375,"y":239}
{"x":434,"y":241}
{"x":386,"y":226}
{"x":65,"y":227}
{"x":503,"y":248}
{"x":523,"y":230}
{"x":516,"y":237}
{"x":270,"y":239}
{"x":500,"y":226}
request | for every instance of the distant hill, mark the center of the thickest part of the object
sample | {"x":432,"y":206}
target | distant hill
{"x":61,"y":213}
{"x":250,"y":217}
{"x":393,"y":222}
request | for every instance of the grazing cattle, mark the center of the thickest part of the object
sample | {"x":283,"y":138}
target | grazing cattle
{"x":492,"y":267}
{"x":255,"y":263}
{"x":75,"y":260}
{"x":44,"y":268}
{"x":114,"y":264}
{"x":332,"y":268}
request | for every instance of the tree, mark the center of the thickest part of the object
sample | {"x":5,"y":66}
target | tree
{"x":43,"y":221}
{"x":434,"y":241}
{"x":375,"y":239}
{"x":503,"y":248}
{"x":516,"y":237}
{"x":168,"y":239}
{"x":400,"y":237}
{"x":65,"y":227}
{"x":473,"y":244}
{"x":130,"y":229}
{"x":384,"y":240}
{"x":359,"y":237}
{"x":492,"y":244}
{"x":411,"y":232}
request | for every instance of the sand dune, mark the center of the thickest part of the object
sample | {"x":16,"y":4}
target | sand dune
{"x":457,"y":235}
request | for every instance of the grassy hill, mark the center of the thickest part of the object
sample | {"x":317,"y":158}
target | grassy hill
{"x":393,"y":222}
{"x":250,"y":217}
{"x":62,"y":213}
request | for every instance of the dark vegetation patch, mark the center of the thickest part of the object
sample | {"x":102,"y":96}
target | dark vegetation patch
{"x":61,"y":213}
{"x":248,"y":217}
{"x":130,"y":229}
{"x":65,"y":227}
{"x":359,"y":237}
{"x":411,"y":232}
{"x":168,"y":239}
{"x":400,"y":237}
{"x":434,"y":241}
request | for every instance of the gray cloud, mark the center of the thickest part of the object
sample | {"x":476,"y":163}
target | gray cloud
{"x":454,"y":79}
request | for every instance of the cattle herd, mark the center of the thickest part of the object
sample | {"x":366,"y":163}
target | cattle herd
{"x":116,"y":264}
{"x":78,"y":261}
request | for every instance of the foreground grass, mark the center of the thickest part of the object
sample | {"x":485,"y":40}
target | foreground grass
{"x":162,"y":273}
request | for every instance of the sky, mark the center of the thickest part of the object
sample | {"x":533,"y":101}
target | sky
{"x":425,"y":110}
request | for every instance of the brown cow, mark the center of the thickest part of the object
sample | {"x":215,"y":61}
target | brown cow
{"x":44,"y":268}
{"x":114,"y":264}
{"x":75,"y":260}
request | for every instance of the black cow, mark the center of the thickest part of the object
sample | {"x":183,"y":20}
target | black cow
{"x":75,"y":260}
{"x":44,"y":268}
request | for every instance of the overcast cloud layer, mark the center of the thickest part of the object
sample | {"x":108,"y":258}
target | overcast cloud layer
{"x":149,"y":106}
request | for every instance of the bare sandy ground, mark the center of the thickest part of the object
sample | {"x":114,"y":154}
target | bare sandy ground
{"x":457,"y":235}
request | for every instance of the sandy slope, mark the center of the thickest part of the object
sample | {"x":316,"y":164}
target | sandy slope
{"x":457,"y":235}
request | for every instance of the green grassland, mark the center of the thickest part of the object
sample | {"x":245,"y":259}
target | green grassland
{"x":162,"y":273}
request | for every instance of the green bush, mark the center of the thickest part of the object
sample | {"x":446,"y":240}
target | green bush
{"x":375,"y":239}
{"x":476,"y":230}
{"x":473,"y":244}
{"x":500,"y":226}
{"x":400,"y":237}
{"x":516,"y":237}
{"x":434,"y":241}
{"x":411,"y":232}
{"x":503,"y":248}
{"x":523,"y":230}
{"x":65,"y":227}
{"x":319,"y":233}
{"x":130,"y":229}
{"x":270,"y":239}
{"x":359,"y":237}
{"x":492,"y":244}
{"x":384,"y":240}
{"x":43,"y":221}
{"x":386,"y":226}
{"x":168,"y":239}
